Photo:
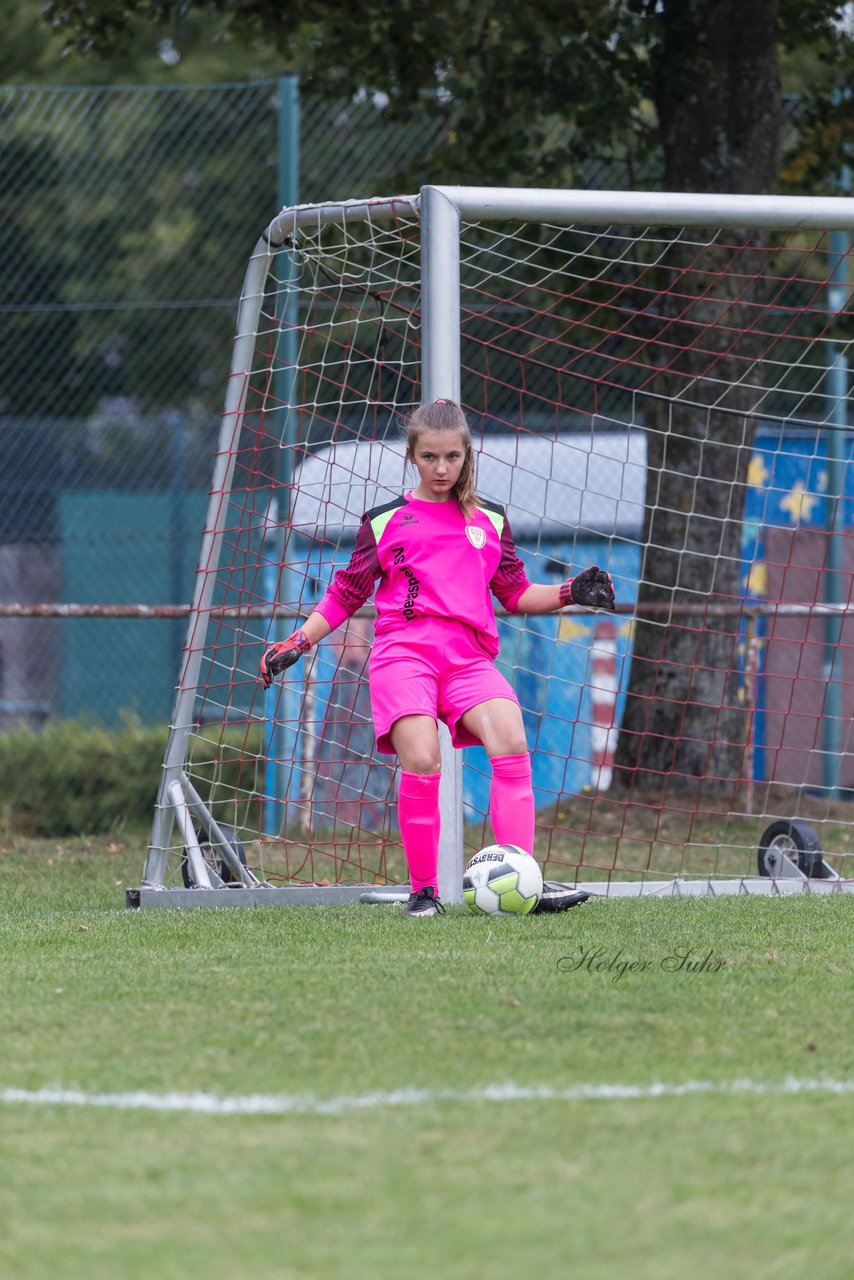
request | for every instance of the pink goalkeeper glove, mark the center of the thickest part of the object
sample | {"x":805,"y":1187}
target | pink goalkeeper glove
{"x":592,"y":587}
{"x":283,"y":654}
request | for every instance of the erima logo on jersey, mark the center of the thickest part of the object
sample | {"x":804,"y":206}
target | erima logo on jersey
{"x":476,"y":536}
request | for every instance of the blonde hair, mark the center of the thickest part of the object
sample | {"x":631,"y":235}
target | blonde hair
{"x":445,"y":415}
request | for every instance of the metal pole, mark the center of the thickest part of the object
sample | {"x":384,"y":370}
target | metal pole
{"x":440,"y":377}
{"x":271,"y":553}
{"x":649,"y":208}
{"x":177,"y":532}
{"x":836,"y":436}
{"x":282,"y":741}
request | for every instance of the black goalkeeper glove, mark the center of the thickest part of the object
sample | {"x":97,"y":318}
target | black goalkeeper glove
{"x":592,"y":587}
{"x":283,"y":654}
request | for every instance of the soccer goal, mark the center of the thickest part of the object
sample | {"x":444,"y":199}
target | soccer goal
{"x":656,"y":383}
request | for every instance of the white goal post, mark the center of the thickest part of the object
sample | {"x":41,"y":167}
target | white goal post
{"x":352,"y":311}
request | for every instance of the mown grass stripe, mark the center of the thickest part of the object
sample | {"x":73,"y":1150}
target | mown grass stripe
{"x":307,"y":1104}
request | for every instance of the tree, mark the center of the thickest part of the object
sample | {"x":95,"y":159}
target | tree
{"x":716,"y":89}
{"x":118,"y":217}
{"x":195,"y":50}
{"x":107,"y":201}
{"x":533,"y":92}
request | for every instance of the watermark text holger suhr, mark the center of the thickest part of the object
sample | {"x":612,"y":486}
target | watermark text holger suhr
{"x":679,"y":960}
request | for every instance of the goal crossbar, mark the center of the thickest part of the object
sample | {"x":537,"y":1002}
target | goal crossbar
{"x":602,"y":208}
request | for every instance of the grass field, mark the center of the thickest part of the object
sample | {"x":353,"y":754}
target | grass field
{"x":240,"y":1073}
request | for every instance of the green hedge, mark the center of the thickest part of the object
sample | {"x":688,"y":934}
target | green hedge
{"x":72,"y":778}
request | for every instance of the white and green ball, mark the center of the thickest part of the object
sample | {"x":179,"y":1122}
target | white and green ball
{"x":502,"y":880}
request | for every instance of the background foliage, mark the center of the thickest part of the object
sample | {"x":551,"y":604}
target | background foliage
{"x":532,"y":91}
{"x":76,"y":778}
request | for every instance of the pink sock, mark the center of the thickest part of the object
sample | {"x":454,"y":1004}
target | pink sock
{"x":418,"y":817}
{"x":511,"y":801}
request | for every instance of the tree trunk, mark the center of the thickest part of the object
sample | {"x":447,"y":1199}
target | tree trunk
{"x":718,"y":100}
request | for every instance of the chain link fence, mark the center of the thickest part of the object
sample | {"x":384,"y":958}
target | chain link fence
{"x":127,"y":216}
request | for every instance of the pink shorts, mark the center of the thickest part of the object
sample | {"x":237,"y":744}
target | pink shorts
{"x":432,"y":668}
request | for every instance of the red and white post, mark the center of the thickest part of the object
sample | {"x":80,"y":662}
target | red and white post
{"x":603,"y":700}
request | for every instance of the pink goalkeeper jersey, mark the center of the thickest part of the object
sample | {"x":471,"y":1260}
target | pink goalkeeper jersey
{"x":432,"y":562}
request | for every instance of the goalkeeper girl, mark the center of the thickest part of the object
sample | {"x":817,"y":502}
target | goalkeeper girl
{"x":440,"y":553}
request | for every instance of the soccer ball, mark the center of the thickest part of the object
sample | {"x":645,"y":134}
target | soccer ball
{"x":502,"y":880}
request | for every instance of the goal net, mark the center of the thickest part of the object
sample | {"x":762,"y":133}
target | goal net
{"x":656,"y":384}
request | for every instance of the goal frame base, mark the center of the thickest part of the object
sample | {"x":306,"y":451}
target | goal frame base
{"x":295,"y":895}
{"x":311,"y":895}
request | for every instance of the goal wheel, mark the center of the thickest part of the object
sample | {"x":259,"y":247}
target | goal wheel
{"x":213,"y":860}
{"x":792,"y":839}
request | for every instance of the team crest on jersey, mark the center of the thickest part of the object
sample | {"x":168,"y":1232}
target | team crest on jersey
{"x":476,"y":536}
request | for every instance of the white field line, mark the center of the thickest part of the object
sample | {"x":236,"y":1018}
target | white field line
{"x":261,"y":1104}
